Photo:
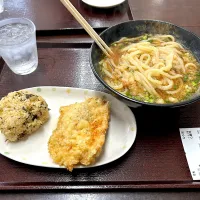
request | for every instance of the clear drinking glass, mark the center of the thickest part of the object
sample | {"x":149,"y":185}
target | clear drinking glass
{"x":1,"y":6}
{"x":18,"y":45}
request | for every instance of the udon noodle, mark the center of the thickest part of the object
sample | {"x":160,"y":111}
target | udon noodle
{"x":151,"y":68}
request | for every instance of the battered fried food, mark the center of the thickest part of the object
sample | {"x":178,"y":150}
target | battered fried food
{"x":80,"y":133}
{"x":22,"y":113}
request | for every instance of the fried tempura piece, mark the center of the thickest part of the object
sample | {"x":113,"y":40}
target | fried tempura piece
{"x":80,"y":133}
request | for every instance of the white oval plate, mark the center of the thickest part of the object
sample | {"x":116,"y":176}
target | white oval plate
{"x":103,"y":3}
{"x":34,"y":149}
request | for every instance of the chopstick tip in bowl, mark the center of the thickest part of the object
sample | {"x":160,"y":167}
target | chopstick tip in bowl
{"x":102,"y":45}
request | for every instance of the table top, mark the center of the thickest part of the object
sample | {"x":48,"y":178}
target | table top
{"x":156,"y":161}
{"x":52,"y":15}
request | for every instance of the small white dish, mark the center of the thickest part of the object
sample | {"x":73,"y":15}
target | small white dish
{"x":34,"y":149}
{"x":103,"y":3}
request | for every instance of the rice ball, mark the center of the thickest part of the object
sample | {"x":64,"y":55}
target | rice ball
{"x":22,"y":113}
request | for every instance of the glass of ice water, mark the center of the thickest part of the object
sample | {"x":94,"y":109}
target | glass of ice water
{"x":18,"y":45}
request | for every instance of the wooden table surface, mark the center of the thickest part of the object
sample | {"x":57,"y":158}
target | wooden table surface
{"x":156,"y":166}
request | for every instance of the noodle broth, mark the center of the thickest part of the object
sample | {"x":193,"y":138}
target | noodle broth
{"x":151,"y":68}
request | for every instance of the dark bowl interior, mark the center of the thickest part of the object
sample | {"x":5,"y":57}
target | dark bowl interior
{"x":136,"y":28}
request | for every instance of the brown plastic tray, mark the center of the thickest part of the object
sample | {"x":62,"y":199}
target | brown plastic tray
{"x":156,"y":160}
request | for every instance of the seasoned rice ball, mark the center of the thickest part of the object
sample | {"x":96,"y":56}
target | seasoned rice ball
{"x":22,"y":113}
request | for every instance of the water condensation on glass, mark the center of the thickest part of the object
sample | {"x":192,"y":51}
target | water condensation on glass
{"x":1,"y":6}
{"x":12,"y":34}
{"x":21,"y":59}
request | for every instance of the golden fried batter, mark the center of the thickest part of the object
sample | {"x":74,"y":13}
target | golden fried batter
{"x":80,"y":133}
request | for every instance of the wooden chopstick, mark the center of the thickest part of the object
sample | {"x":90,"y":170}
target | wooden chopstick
{"x":87,"y":27}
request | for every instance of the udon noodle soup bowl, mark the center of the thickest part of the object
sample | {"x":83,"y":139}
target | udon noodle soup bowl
{"x":137,"y":28}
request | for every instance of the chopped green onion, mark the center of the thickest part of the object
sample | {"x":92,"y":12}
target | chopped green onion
{"x":128,"y":94}
{"x":151,"y":100}
{"x":194,"y":83}
{"x":185,"y":78}
{"x":145,"y":37}
{"x":188,"y":95}
{"x":150,"y":40}
{"x":138,"y":98}
{"x":167,"y":101}
{"x":175,"y":87}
